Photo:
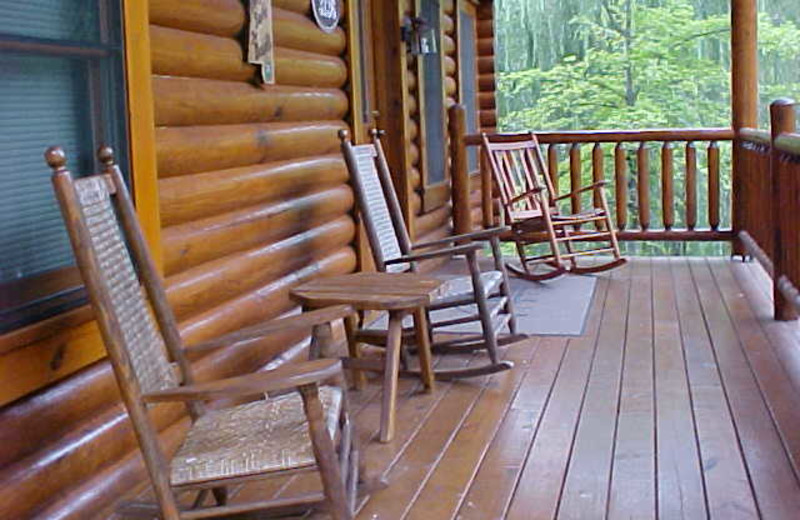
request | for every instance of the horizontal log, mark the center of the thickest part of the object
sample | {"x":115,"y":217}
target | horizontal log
{"x":191,"y":197}
{"x":448,"y":45}
{"x":191,"y":244}
{"x":449,"y":102}
{"x":220,"y":17}
{"x":298,"y":6}
{"x":411,"y":80}
{"x":432,"y":221}
{"x":416,"y":203}
{"x":415,"y":178}
{"x":486,"y":100}
{"x":107,"y":437}
{"x":189,"y":54}
{"x":413,"y":154}
{"x":488,"y":118}
{"x":485,"y":28}
{"x":413,"y":129}
{"x":486,"y":82}
{"x":186,"y":150}
{"x":296,"y":31}
{"x":449,"y":65}
{"x":100,"y":495}
{"x":308,"y":69}
{"x":249,"y":308}
{"x":448,"y":6}
{"x":486,"y":64}
{"x":450,"y":86}
{"x":190,"y":101}
{"x":447,"y":24}
{"x":208,"y":285}
{"x":485,"y":46}
{"x":616,"y":136}
{"x":412,"y":105}
{"x":182,"y":53}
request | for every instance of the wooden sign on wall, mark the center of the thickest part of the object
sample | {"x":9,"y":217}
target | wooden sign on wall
{"x":260,"y":46}
{"x":327,"y":14}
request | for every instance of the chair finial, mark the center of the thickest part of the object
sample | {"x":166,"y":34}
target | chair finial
{"x":56,"y":158}
{"x":106,"y":155}
{"x":344,"y":135}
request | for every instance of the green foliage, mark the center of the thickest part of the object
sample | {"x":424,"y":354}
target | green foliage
{"x":633,"y":64}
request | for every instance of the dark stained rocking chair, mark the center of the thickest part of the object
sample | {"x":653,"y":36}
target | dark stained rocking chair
{"x":305,"y":428}
{"x":486,"y":293}
{"x":530,"y":207}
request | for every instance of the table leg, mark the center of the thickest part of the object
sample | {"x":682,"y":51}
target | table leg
{"x":390,"y":375}
{"x":424,"y":348}
{"x":354,"y":350}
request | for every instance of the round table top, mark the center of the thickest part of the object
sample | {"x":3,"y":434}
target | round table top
{"x":370,"y":291}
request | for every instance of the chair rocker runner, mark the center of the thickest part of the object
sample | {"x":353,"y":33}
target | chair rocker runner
{"x":486,"y":296}
{"x":530,"y":207}
{"x":306,"y":428}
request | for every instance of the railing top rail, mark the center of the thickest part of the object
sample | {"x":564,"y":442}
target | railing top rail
{"x":789,"y":144}
{"x":754,"y":135}
{"x":615,"y":136}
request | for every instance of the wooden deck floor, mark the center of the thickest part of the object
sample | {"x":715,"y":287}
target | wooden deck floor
{"x":680,"y":401}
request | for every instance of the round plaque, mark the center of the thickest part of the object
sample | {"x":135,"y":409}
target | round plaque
{"x":327,"y":14}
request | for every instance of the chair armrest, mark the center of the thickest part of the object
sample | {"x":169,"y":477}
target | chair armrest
{"x":282,"y":378}
{"x":483,"y":234}
{"x":527,"y":194}
{"x":593,"y":186}
{"x":305,"y":320}
{"x":447,"y":251}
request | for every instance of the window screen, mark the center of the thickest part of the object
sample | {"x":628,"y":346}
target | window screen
{"x":468,"y":69}
{"x":434,"y":101}
{"x":61,"y":83}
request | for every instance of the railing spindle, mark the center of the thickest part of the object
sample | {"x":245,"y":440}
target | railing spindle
{"x":691,"y":186}
{"x":643,"y":163}
{"x":575,"y":175}
{"x":597,"y":171}
{"x":552,"y":167}
{"x":621,"y":185}
{"x":713,"y":185}
{"x":667,"y":195}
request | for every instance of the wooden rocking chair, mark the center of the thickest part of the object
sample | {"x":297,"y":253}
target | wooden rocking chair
{"x":486,"y":294}
{"x":305,"y":428}
{"x":530,"y":207}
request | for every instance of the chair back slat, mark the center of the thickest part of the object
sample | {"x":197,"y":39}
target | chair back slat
{"x":374,"y":205}
{"x":518,"y":168}
{"x":141,"y":338}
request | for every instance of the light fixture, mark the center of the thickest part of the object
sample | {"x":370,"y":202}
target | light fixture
{"x":420,"y":37}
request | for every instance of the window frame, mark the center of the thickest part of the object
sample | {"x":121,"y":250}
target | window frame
{"x":471,"y":9}
{"x":436,"y":194}
{"x":44,"y":296}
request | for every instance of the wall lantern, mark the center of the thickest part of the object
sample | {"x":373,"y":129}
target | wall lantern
{"x":420,"y":37}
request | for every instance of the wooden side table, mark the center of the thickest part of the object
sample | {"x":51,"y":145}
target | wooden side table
{"x":400,"y":295}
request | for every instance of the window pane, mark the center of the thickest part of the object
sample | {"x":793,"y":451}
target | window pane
{"x":434,"y":101}
{"x":469,"y":79}
{"x":43,"y":101}
{"x":75,"y":20}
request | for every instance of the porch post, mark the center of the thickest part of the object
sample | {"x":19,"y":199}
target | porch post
{"x":782,"y":120}
{"x":744,"y":94}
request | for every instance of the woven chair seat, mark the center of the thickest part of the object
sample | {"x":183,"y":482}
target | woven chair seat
{"x":253,"y":438}
{"x":459,"y":289}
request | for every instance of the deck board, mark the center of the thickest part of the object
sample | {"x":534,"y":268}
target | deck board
{"x":679,"y":401}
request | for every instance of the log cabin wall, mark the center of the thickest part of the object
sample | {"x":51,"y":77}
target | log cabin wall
{"x":253,"y":200}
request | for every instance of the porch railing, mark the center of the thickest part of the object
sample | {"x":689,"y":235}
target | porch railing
{"x":680,"y":162}
{"x":768,"y":200}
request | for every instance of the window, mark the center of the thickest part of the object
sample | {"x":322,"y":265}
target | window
{"x":468,"y":75}
{"x":61,"y":83}
{"x":434,"y":102}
